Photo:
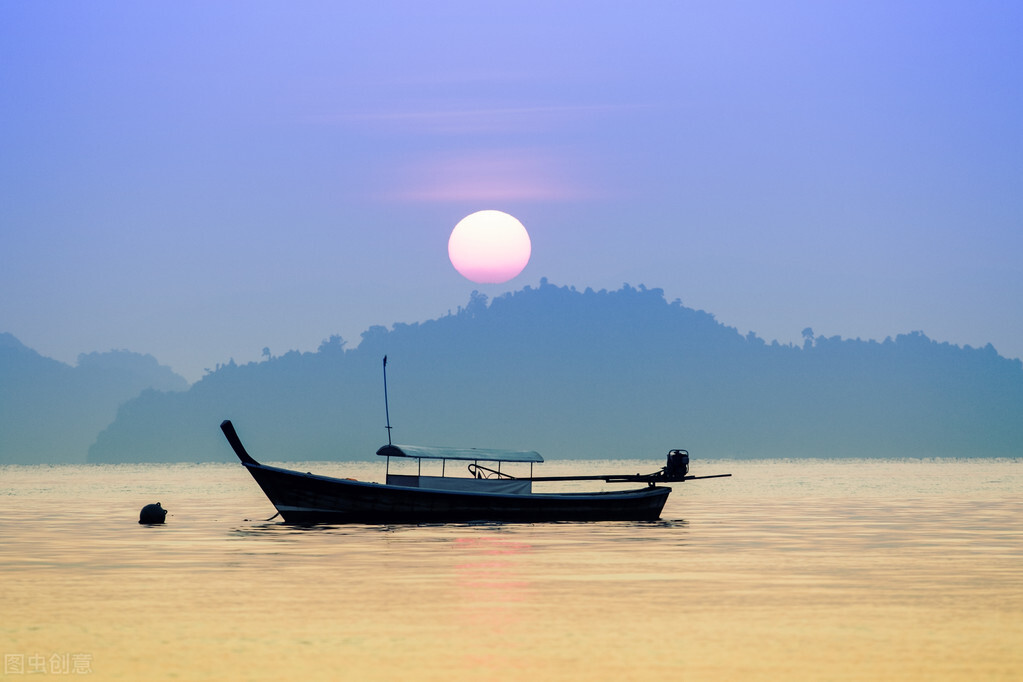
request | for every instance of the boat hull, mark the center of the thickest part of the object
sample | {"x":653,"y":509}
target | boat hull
{"x":309,"y":498}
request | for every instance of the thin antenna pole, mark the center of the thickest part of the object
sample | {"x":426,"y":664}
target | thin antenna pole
{"x":387,"y":411}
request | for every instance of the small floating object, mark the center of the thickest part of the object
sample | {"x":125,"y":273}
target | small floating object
{"x":152,"y":513}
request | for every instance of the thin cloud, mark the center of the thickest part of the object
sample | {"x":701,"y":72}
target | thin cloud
{"x":494,"y":175}
{"x":475,"y":120}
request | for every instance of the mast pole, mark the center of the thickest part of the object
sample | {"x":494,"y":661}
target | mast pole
{"x":387,"y":411}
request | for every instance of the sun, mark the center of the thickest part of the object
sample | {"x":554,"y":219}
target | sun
{"x":489,"y":247}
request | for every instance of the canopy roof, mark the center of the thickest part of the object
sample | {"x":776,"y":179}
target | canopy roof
{"x":471,"y":454}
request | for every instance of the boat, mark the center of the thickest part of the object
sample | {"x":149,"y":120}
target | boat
{"x":487,"y":495}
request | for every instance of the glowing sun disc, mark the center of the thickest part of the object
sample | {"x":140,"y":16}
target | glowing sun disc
{"x":489,"y":247}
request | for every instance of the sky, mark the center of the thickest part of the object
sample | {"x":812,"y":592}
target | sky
{"x":200,"y":181}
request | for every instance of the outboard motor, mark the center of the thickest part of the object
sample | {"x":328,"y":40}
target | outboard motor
{"x":678,"y":465}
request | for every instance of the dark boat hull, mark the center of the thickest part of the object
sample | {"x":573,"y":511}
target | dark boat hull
{"x":309,"y":498}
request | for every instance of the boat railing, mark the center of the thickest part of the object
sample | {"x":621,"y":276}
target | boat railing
{"x":479,"y":471}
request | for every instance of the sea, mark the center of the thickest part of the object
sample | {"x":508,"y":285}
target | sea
{"x":802,"y":569}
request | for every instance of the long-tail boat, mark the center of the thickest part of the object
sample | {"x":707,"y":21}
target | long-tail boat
{"x":487,"y":495}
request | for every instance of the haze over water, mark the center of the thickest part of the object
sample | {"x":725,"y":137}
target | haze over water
{"x":795,"y":570}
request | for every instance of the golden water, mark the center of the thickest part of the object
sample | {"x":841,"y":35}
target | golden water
{"x":790,"y":570}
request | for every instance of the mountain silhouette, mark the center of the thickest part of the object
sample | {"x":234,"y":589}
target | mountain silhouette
{"x":608,"y":374}
{"x":52,"y":412}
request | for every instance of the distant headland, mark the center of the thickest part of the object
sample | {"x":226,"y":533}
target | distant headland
{"x":51,"y":412}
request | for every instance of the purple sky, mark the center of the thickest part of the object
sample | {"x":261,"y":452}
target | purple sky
{"x":202,"y":180}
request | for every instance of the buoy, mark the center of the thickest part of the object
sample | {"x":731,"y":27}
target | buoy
{"x":153,"y":513}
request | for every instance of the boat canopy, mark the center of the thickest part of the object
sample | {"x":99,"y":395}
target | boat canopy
{"x":470,"y":454}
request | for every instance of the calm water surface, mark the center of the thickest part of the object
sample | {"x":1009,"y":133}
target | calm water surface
{"x":789,"y":570}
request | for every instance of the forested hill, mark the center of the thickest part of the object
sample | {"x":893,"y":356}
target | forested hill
{"x":590,"y":374}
